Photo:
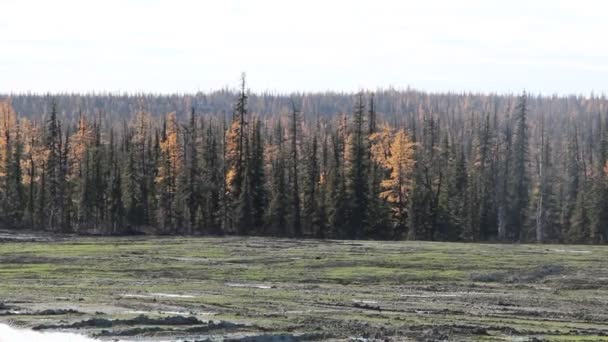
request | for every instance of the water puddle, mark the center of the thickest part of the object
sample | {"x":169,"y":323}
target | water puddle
{"x":12,"y":334}
{"x":129,"y":295}
{"x":152,"y":295}
{"x":254,"y":286}
{"x":179,"y":313}
{"x":570,"y":251}
{"x":172,"y":295}
{"x":450,"y":294}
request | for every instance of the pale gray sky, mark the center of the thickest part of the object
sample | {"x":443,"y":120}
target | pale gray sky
{"x":283,"y":45}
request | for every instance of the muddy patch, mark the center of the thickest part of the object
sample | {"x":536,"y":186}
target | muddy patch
{"x":518,"y":276}
{"x":47,"y":312}
{"x":199,"y":328}
{"x":139,"y":320}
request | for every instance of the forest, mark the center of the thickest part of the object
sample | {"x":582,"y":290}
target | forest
{"x":383,"y":165}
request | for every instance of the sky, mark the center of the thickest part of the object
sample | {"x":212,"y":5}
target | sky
{"x":185,"y":46}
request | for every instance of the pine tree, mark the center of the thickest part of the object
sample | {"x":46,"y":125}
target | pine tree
{"x":455,"y":202}
{"x":258,"y":177}
{"x":14,"y":190}
{"x":379,"y":226}
{"x":321,"y":219}
{"x":139,"y":171}
{"x":428,"y":182}
{"x":358,"y":173}
{"x":311,"y":185}
{"x":80,"y":172}
{"x":212,"y":184}
{"x":253,"y":197}
{"x":573,"y":183}
{"x":543,"y":164}
{"x":294,"y":135}
{"x":236,"y":158}
{"x":397,"y":188}
{"x":579,"y":231}
{"x":193,"y":190}
{"x":244,"y":208}
{"x":502,"y":193}
{"x":599,"y":192}
{"x":53,"y":208}
{"x":382,"y":224}
{"x":519,"y":177}
{"x":338,"y":210}
{"x":64,"y":187}
{"x":33,"y":157}
{"x":278,"y":208}
{"x":116,"y":208}
{"x":487,"y":211}
{"x":546,"y":225}
{"x":9,"y":214}
{"x":169,"y":170}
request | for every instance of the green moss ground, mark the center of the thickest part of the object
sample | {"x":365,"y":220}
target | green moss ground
{"x":398,"y":290}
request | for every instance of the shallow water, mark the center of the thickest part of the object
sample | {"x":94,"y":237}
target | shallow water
{"x":12,"y":334}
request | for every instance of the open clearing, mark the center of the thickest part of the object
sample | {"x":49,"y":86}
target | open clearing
{"x":248,"y":289}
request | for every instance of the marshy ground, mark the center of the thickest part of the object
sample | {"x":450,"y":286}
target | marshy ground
{"x":151,"y":288}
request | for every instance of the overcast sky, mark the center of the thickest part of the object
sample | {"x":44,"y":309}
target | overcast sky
{"x":189,"y":45}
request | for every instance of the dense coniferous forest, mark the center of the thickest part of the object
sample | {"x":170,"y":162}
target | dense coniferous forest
{"x":387,"y":164}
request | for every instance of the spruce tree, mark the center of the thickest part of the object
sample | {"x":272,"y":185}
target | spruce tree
{"x":116,"y":210}
{"x":519,"y":177}
{"x":294,"y":175}
{"x":278,"y":207}
{"x":311,"y":184}
{"x":358,"y":173}
{"x":338,"y":209}
{"x":14,"y":197}
{"x":193,"y":190}
{"x":235,"y":160}
{"x":257,"y":179}
{"x":379,"y":223}
{"x":599,"y":191}
{"x":52,"y":173}
{"x":212,"y":184}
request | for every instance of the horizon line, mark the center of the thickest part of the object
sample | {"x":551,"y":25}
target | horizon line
{"x":279,"y":93}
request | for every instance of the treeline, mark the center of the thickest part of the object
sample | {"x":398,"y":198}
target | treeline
{"x":395,"y":165}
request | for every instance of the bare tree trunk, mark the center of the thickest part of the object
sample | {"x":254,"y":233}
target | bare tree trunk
{"x":502,"y":223}
{"x":540,"y":215}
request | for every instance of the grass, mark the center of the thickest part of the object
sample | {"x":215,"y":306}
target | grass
{"x":320,"y":285}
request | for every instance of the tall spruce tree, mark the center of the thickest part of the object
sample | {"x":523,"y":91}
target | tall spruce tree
{"x":278,"y":207}
{"x":311,"y":185}
{"x":213,"y":174}
{"x":294,"y":175}
{"x":358,"y":173}
{"x":193,"y":189}
{"x":53,"y":207}
{"x":236,"y":139}
{"x":519,"y":177}
{"x":258,"y":176}
{"x":599,"y":191}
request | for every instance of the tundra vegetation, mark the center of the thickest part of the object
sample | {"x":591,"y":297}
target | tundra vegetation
{"x":174,"y":288}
